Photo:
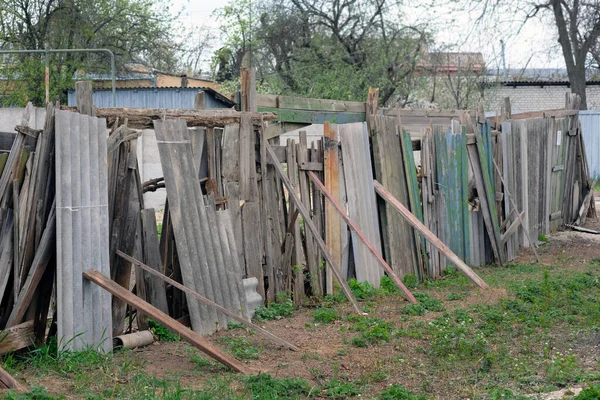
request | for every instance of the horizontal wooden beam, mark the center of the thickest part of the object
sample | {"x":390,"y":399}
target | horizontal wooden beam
{"x":17,"y":337}
{"x":314,"y":117}
{"x":425,"y":113}
{"x":430,"y":236}
{"x":143,"y":118}
{"x":172,"y":325}
{"x":310,"y":104}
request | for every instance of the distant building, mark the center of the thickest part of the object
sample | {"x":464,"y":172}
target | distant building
{"x":535,"y":89}
{"x":155,"y":97}
{"x":451,"y":63}
{"x":140,"y":76}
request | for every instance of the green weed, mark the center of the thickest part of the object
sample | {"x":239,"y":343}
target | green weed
{"x":265,"y":387}
{"x":372,"y":331}
{"x":410,"y":281}
{"x":543,"y":238}
{"x":283,"y":308}
{"x":325,"y":315}
{"x":36,"y":393}
{"x":425,"y":303}
{"x":387,"y":285}
{"x":338,"y":389}
{"x":362,"y":290}
{"x":398,"y":392}
{"x":161,"y":332}
{"x":241,"y":348}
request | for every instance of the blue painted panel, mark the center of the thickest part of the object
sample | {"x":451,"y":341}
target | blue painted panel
{"x":452,"y":185}
{"x":150,"y":98}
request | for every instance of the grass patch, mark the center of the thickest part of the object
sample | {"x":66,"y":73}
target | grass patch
{"x":283,"y":308}
{"x":325,"y":315}
{"x":362,"y":290}
{"x":372,"y":331}
{"x":241,"y":348}
{"x":425,"y":303}
{"x":338,"y":389}
{"x":162,"y":333}
{"x":265,"y":387}
{"x":398,"y":392}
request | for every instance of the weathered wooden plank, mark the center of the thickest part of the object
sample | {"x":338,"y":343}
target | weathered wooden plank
{"x":38,"y":267}
{"x":11,"y":383}
{"x":143,"y":118}
{"x":314,"y":275}
{"x":190,"y":336}
{"x":310,"y":225}
{"x":301,"y":103}
{"x":156,"y":289}
{"x":313,"y":117}
{"x":397,"y":235}
{"x":430,"y":236}
{"x":16,"y":337}
{"x":253,"y":243}
{"x":362,"y":207}
{"x":83,"y":94}
{"x":333,"y":223}
{"x":297,"y":267}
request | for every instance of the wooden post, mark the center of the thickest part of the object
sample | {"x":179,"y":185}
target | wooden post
{"x":333,"y":223}
{"x":83,"y":93}
{"x":200,"y":100}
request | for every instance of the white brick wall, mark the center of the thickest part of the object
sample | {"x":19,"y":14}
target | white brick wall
{"x":536,"y":98}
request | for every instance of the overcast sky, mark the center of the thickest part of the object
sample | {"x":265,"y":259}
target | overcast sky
{"x":535,"y":46}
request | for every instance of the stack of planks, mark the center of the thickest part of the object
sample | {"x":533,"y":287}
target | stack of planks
{"x":27,"y":242}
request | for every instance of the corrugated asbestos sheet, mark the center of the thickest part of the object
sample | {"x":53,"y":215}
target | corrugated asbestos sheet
{"x":205,"y":239}
{"x":362,"y":207}
{"x":590,"y":127}
{"x":84,"y":313}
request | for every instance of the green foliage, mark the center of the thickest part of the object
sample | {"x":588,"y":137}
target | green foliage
{"x":265,"y":387}
{"x":456,"y":296}
{"x":338,"y":389}
{"x":454,"y":337}
{"x":387,"y":285}
{"x":241,"y":348}
{"x":410,"y":281}
{"x":200,"y":361}
{"x":36,"y":393}
{"x":162,"y":333}
{"x":505,"y":394}
{"x":398,"y":392}
{"x":325,"y":315}
{"x":135,"y":30}
{"x":372,"y":331}
{"x":589,"y":393}
{"x":543,"y":238}
{"x":425,"y":303}
{"x":284,"y":308}
{"x":362,"y":290}
{"x":563,"y":370}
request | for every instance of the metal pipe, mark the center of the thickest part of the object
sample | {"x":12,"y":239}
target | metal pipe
{"x":46,"y":51}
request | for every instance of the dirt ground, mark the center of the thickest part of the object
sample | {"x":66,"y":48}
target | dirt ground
{"x":324,"y":347}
